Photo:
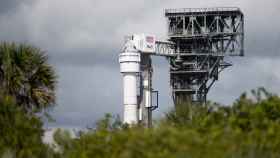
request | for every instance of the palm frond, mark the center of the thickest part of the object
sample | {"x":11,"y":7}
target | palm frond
{"x":26,"y":75}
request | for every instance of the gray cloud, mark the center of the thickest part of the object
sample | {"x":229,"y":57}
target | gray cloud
{"x":83,"y":39}
{"x":245,"y":75}
{"x":8,"y":6}
{"x":93,"y":29}
{"x":86,"y":94}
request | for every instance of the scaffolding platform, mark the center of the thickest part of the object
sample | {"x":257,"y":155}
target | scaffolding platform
{"x":202,"y":36}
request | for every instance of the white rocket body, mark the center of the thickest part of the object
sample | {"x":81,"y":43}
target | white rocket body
{"x":130,"y":68}
{"x":130,"y":61}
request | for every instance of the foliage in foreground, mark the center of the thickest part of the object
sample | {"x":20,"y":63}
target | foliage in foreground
{"x":27,"y":86}
{"x":21,"y":134}
{"x":26,"y":75}
{"x":248,"y":128}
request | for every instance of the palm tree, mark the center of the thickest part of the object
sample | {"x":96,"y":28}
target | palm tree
{"x":26,"y":75}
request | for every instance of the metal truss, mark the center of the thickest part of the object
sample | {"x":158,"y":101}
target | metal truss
{"x":222,"y":28}
{"x":202,"y":37}
{"x":165,"y":48}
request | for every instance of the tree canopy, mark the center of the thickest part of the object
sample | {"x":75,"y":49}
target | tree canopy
{"x":27,"y":86}
{"x":21,"y":133}
{"x":248,"y":128}
{"x":26,"y":75}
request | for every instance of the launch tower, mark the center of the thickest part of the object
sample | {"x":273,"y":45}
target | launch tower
{"x":202,"y":38}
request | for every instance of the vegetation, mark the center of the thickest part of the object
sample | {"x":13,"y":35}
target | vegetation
{"x":248,"y":128}
{"x":20,"y":133}
{"x":26,"y":75}
{"x":27,"y":84}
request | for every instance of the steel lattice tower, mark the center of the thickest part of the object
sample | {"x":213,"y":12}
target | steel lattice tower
{"x":202,"y":38}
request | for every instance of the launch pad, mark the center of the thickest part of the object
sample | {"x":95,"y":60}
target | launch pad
{"x":198,"y":41}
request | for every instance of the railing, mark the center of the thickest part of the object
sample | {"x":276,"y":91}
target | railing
{"x":180,"y":32}
{"x":165,"y":48}
{"x":195,"y":10}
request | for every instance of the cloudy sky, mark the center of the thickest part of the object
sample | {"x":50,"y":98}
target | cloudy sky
{"x":83,"y":39}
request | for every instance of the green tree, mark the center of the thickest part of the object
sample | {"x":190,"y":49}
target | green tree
{"x":27,"y":86}
{"x":21,"y":133}
{"x":247,"y":129}
{"x":26,"y":75}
